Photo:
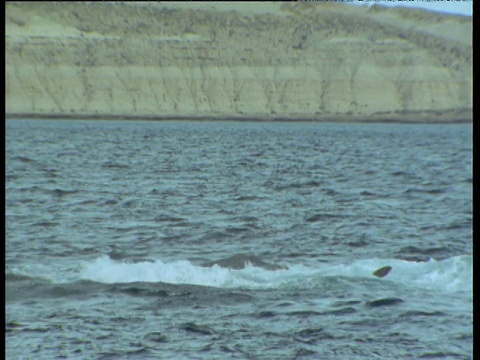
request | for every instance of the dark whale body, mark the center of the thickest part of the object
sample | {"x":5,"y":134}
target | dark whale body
{"x":240,"y":261}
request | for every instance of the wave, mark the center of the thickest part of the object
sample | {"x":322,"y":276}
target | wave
{"x":452,"y":275}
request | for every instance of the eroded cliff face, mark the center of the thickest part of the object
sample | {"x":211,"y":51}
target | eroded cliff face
{"x":305,"y":61}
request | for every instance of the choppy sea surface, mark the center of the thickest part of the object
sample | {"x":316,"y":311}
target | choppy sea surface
{"x":215,"y":240}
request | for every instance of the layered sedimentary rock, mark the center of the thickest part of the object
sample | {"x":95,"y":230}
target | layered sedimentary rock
{"x":291,"y":61}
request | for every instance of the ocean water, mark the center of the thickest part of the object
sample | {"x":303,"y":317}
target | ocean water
{"x":114,"y":231}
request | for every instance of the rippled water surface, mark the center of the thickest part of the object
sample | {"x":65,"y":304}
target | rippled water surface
{"x":213,"y":240}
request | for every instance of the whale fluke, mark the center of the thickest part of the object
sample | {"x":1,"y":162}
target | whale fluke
{"x":382,"y":272}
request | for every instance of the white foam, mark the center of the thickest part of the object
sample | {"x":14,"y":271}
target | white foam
{"x":452,"y":275}
{"x":109,"y":271}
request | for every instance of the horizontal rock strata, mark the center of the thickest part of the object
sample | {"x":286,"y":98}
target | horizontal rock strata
{"x":291,"y":61}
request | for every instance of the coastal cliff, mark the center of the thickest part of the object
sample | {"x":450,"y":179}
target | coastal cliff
{"x":327,"y":61}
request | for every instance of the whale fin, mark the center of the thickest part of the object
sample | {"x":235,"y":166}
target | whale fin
{"x":382,"y":272}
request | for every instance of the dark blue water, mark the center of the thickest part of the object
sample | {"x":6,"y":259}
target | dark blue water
{"x":113,"y":230}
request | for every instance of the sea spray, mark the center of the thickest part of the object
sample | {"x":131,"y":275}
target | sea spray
{"x":451,"y":275}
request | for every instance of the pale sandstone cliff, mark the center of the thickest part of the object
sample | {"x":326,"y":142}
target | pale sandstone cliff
{"x":290,"y":61}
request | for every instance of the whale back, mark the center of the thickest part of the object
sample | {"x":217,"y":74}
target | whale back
{"x":240,"y":261}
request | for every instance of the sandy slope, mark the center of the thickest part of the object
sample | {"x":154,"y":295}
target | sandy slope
{"x":319,"y":61}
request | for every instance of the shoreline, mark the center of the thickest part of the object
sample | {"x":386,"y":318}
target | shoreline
{"x":292,"y":62}
{"x":464,"y":117}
